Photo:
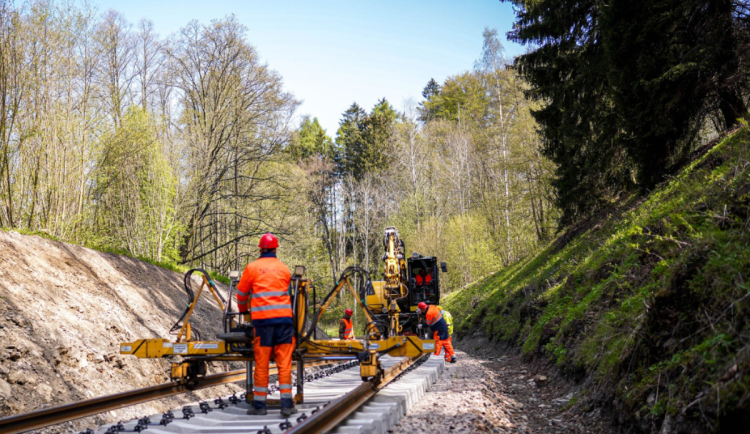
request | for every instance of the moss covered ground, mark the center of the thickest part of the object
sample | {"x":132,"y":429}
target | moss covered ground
{"x":647,"y":305}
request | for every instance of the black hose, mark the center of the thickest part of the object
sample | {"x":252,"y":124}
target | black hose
{"x":191,"y":297}
{"x":348,"y":272}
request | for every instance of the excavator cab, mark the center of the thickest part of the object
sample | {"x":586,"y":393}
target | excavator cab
{"x":389,"y":305}
{"x":424,"y":280}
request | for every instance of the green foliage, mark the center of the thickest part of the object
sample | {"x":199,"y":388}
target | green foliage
{"x":219,"y":278}
{"x":136,"y":191}
{"x":24,"y":231}
{"x":431,"y":90}
{"x":627,"y":86}
{"x":460,"y":98}
{"x":648,"y":301}
{"x":309,"y":141}
{"x":362,"y":139}
{"x":167,"y":265}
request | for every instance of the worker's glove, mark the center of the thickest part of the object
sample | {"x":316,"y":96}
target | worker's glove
{"x":419,"y":326}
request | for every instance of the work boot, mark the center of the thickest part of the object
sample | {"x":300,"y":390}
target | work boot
{"x":257,"y":412}
{"x":453,"y":359}
{"x":288,"y":411}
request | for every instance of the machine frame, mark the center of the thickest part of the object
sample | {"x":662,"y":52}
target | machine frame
{"x":235,"y":343}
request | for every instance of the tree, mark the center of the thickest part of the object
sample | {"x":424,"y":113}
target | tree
{"x":431,"y":90}
{"x":362,"y":139}
{"x":12,"y":88}
{"x":350,"y":142}
{"x":115,"y":73}
{"x":135,"y":189}
{"x":671,"y":62}
{"x":579,"y":123}
{"x":148,"y":61}
{"x":378,"y":134}
{"x":461,"y":99}
{"x":235,"y":122}
{"x":310,"y":140}
{"x":625,"y":86}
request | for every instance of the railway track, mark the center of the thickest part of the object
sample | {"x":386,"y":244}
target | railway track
{"x":335,"y":400}
{"x":338,"y":403}
{"x":64,"y":413}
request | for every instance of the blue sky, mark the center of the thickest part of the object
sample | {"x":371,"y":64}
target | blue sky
{"x":332,"y":53}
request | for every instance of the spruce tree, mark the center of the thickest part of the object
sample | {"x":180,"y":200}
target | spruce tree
{"x":626,"y":85}
{"x":579,"y":123}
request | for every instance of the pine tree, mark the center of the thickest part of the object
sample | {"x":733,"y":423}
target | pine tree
{"x":669,"y":62}
{"x":429,"y":92}
{"x":349,"y":141}
{"x":579,"y":123}
{"x":362,"y":139}
{"x":626,"y":85}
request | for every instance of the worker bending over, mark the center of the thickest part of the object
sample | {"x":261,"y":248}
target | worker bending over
{"x":346,"y":328}
{"x":439,"y":329}
{"x":265,"y":282}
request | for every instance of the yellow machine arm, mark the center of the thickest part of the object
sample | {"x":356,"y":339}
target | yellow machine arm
{"x":185,"y":330}
{"x":339,"y":286}
{"x":235,"y":344}
{"x":395,"y":265}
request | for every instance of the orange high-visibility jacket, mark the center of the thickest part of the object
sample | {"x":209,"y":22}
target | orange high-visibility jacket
{"x":436,"y":322}
{"x":266,"y":282}
{"x":348,"y":328}
{"x":427,"y":279}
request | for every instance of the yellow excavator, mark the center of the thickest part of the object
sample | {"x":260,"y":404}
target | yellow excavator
{"x":392,"y":325}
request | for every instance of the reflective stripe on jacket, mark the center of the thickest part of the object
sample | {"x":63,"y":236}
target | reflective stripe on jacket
{"x":433,"y":315}
{"x":348,"y":329}
{"x":437,"y":322}
{"x":265,"y":282}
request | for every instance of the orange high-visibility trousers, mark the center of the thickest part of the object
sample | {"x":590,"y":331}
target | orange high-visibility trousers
{"x":447,"y":343}
{"x":282,"y":354}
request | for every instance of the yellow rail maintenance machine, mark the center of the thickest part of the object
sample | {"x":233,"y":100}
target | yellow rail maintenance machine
{"x":392,"y":325}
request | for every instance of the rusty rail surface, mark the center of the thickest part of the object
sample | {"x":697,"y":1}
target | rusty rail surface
{"x":336,"y":411}
{"x":64,"y":413}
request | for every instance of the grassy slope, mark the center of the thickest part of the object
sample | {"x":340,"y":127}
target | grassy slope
{"x":649,"y":306}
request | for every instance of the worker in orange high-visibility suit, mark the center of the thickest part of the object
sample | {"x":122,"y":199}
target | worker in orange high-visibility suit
{"x":346,"y":328}
{"x":440,"y":330}
{"x":265,"y":282}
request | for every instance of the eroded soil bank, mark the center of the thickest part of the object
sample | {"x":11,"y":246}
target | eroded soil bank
{"x":63,"y":311}
{"x":491,"y":390}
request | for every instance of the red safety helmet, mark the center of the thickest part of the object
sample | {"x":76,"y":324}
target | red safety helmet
{"x":349,"y":312}
{"x":422,"y":306}
{"x":268,"y":241}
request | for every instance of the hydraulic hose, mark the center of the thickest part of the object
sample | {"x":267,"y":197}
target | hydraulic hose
{"x":191,"y":296}
{"x":348,"y":272}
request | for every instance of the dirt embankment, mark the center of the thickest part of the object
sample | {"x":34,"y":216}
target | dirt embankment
{"x":63,"y":311}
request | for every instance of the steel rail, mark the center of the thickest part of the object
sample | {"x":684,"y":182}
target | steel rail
{"x":336,"y":411}
{"x":64,"y":413}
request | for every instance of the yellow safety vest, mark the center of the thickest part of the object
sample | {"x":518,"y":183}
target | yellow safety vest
{"x":448,"y":319}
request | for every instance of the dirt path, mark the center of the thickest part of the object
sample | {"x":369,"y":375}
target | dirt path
{"x":498,"y":394}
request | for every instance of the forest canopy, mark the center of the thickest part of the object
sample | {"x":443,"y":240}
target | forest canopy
{"x":629,"y":88}
{"x":184,"y":149}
